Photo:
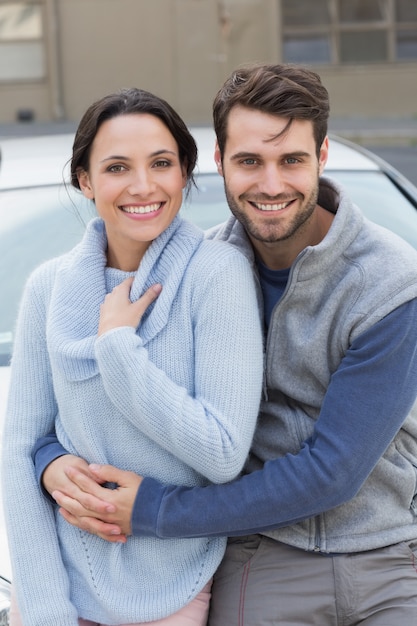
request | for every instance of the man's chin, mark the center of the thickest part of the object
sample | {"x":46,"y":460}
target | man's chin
{"x":265,"y":235}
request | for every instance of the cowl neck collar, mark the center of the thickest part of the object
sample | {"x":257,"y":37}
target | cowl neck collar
{"x":80,"y":288}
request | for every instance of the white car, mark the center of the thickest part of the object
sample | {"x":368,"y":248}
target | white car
{"x":41,"y":217}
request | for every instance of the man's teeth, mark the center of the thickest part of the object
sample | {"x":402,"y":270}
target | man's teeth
{"x":150,"y":208}
{"x":271,"y":207}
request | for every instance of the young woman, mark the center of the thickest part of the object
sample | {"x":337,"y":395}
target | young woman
{"x":138,"y":348}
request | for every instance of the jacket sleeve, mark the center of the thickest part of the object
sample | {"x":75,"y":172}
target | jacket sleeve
{"x":330,"y":467}
{"x":46,"y":450}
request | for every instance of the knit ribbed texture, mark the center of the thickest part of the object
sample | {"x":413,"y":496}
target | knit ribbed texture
{"x":176,"y":400}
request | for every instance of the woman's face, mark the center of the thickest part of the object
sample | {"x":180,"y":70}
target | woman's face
{"x":136,"y":180}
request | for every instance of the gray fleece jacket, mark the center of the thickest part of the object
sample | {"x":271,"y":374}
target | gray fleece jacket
{"x":323,"y":390}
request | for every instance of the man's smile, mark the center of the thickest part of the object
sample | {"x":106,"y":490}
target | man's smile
{"x":271,"y":207}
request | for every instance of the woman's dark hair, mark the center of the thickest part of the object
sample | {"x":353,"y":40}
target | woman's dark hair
{"x":290,"y":91}
{"x":126,"y":102}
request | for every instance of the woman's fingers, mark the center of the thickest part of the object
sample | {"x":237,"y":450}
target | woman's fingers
{"x":117,"y":310}
{"x":90,"y":501}
{"x":108,"y":532}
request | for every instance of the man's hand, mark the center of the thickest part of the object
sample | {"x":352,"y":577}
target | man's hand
{"x":104,"y":512}
{"x":55,"y":478}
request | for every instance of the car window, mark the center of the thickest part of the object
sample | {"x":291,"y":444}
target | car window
{"x":206,"y":206}
{"x":381,"y":201}
{"x":39,"y":223}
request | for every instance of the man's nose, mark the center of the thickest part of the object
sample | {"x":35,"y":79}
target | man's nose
{"x":272,"y":181}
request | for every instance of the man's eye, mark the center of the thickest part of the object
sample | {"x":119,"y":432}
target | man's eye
{"x":292,"y":160}
{"x":249,"y":162}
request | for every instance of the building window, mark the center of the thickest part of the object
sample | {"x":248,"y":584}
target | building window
{"x":406,"y":11}
{"x":299,"y":48}
{"x":22,"y":54}
{"x":366,"y":46}
{"x":406,"y":45}
{"x":360,"y":11}
{"x":300,"y":12}
{"x":349,"y":31}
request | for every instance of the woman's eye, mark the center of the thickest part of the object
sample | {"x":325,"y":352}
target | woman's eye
{"x":162,"y":163}
{"x":116,"y":168}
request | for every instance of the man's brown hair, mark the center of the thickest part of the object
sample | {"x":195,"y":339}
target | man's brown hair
{"x":290,"y":91}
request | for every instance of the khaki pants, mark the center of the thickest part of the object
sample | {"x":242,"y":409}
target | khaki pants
{"x":262,"y":582}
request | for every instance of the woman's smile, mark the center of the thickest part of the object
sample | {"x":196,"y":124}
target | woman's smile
{"x":149,"y":210}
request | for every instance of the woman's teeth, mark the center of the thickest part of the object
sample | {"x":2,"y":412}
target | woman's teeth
{"x":150,"y":208}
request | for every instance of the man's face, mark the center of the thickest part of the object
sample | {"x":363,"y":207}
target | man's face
{"x":271,"y":179}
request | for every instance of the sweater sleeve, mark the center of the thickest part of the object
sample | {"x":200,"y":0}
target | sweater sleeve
{"x":330,"y":467}
{"x":211,"y":427}
{"x":39,"y":575}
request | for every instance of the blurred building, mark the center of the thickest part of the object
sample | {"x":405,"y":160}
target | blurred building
{"x":57,"y":56}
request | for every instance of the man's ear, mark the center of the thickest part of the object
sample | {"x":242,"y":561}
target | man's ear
{"x":85,"y":185}
{"x":323,"y":155}
{"x":218,"y":159}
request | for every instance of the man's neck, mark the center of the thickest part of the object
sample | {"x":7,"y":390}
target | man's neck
{"x":279,"y":255}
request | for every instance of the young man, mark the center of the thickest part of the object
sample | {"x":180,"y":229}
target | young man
{"x":323,"y":526}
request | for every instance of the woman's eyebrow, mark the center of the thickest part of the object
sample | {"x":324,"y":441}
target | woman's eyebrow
{"x":121,"y":157}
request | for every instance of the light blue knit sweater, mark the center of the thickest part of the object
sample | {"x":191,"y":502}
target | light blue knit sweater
{"x":177,"y":400}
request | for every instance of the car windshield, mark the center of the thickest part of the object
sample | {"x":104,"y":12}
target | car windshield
{"x":43,"y":222}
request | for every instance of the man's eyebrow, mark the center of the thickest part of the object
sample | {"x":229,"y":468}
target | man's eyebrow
{"x":297,"y":153}
{"x":256,"y":155}
{"x":245,"y":155}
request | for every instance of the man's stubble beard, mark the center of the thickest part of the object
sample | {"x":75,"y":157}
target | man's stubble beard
{"x":272,"y":230}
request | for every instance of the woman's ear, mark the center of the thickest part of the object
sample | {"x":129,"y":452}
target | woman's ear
{"x":85,"y":185}
{"x":184,"y":176}
{"x":218,"y":159}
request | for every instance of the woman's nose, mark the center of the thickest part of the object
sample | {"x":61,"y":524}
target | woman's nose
{"x":141,"y":182}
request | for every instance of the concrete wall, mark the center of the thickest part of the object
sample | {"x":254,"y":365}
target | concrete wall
{"x":181,"y":50}
{"x":372,"y":90}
